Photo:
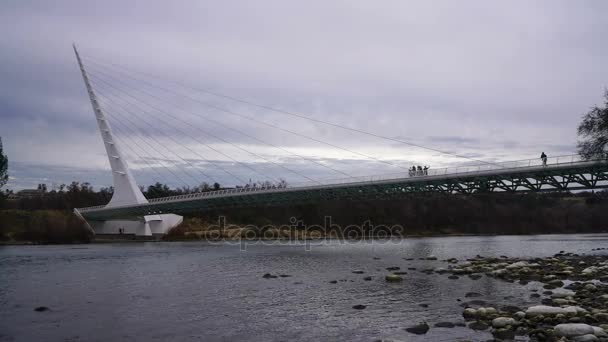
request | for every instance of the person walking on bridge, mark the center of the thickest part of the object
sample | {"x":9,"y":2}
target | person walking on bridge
{"x":543,"y":157}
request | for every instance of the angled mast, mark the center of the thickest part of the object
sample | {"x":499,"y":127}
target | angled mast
{"x":126,"y":191}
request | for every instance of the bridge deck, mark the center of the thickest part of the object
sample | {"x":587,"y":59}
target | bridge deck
{"x":560,"y":173}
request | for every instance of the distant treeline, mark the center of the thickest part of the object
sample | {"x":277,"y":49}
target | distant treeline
{"x":79,"y":195}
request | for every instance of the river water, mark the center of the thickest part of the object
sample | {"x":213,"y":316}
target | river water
{"x":195,"y":291}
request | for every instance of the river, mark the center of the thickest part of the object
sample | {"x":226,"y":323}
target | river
{"x":195,"y":291}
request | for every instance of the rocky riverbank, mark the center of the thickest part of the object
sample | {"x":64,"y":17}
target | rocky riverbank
{"x":574,"y":301}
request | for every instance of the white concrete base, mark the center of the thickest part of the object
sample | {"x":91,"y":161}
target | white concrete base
{"x":152,"y":224}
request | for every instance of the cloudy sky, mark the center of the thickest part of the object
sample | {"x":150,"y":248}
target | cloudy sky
{"x":492,"y":81}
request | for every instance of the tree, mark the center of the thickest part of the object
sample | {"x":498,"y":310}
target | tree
{"x":3,"y":166}
{"x":594,"y":131}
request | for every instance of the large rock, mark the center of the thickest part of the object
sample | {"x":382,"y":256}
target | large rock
{"x":552,"y":310}
{"x":589,"y":270}
{"x":599,"y":332}
{"x":469,"y":313}
{"x":563,"y":294}
{"x":573,"y":329}
{"x":478,"y":325}
{"x":418,"y":329}
{"x":393,"y":278}
{"x":501,"y":322}
{"x":518,"y":264}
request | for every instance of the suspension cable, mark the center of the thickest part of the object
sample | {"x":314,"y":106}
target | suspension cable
{"x":122,"y":138}
{"x":222,"y":139}
{"x":115,"y":115}
{"x":267,"y":124}
{"x":277,"y":110}
{"x":206,"y":118}
{"x":182,"y":132}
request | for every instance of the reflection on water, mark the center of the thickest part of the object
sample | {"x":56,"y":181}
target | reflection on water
{"x":212,"y":292}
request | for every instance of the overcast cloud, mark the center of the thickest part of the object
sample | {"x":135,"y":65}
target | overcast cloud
{"x":491,"y":80}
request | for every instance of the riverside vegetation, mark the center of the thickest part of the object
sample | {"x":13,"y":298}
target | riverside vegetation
{"x":420,"y":215}
{"x":48,"y":218}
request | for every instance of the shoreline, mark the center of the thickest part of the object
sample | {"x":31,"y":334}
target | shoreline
{"x":131,"y":239}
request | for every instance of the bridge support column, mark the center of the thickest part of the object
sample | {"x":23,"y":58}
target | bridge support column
{"x":126,"y":190}
{"x":148,"y":226}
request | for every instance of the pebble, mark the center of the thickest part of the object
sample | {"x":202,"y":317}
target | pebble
{"x":393,"y":278}
{"x":445,"y":325}
{"x":269,"y":276}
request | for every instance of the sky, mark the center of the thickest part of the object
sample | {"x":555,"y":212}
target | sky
{"x":490,"y":81}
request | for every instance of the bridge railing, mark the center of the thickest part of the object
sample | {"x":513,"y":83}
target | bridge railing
{"x":465,"y":169}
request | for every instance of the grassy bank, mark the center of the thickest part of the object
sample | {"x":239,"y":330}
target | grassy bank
{"x":42,"y":226}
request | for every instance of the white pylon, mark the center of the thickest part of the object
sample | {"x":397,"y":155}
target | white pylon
{"x":126,"y":191}
{"x":125,"y":187}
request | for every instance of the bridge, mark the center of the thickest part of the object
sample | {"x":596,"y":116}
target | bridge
{"x":130,"y":212}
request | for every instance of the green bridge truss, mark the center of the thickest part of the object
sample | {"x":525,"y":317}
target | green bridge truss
{"x":569,"y":176}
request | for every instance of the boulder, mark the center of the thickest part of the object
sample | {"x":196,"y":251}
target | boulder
{"x":590,"y":287}
{"x":599,"y":332}
{"x":573,"y":329}
{"x":519,"y":315}
{"x":589,"y":271}
{"x":518,"y":264}
{"x":501,"y":322}
{"x":418,"y":329}
{"x":563,"y":294}
{"x":469,"y":313}
{"x":393,"y":278}
{"x":478,"y":325}
{"x":552,"y":310}
{"x":504,"y":334}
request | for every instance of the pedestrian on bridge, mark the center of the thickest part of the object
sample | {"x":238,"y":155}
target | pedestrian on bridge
{"x":426,"y":170}
{"x":543,"y":157}
{"x":412,"y":171}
